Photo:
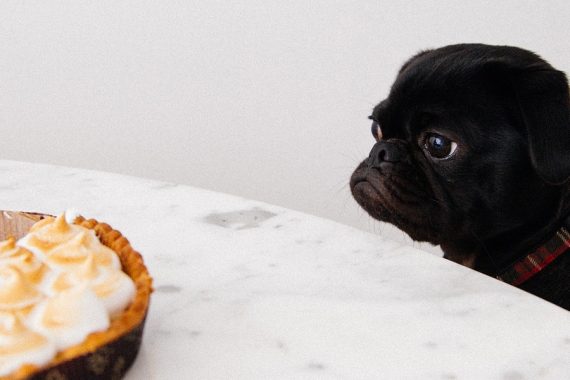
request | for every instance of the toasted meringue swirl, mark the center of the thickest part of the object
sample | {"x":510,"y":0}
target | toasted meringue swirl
{"x":75,"y":252}
{"x":15,"y":291}
{"x":113,"y":287}
{"x":30,"y":266}
{"x":48,"y":234}
{"x":69,"y":316}
{"x":19,"y":345}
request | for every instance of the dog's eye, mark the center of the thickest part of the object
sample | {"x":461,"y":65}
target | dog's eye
{"x":439,"y":146}
{"x":376,"y":131}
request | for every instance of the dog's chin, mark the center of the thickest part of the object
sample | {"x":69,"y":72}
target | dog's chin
{"x":391,"y":200}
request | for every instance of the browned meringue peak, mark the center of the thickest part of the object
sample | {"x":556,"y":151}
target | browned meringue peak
{"x":57,"y":225}
{"x":69,"y":316}
{"x":74,"y":253}
{"x":19,"y":257}
{"x":15,"y":337}
{"x":108,"y":284}
{"x":82,"y":274}
{"x":15,"y":291}
{"x":20,"y":345}
{"x":8,"y":247}
{"x":47,"y":234}
{"x":113,"y":287}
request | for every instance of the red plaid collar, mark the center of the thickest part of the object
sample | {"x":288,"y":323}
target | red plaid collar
{"x":536,"y":261}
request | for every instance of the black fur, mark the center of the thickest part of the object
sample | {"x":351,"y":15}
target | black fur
{"x":506,"y":188}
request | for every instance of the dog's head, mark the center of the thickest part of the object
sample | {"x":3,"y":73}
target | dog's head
{"x":473,"y":146}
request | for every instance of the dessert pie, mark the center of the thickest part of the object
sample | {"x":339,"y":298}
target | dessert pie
{"x":73,"y":298}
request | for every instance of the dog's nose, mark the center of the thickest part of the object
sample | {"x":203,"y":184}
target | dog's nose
{"x":385,"y":152}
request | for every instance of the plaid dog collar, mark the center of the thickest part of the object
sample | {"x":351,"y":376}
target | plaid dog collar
{"x":536,"y":261}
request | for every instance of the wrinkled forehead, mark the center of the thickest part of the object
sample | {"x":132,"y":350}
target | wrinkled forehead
{"x":441,"y":90}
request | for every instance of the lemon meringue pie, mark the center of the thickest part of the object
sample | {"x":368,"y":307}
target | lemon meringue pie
{"x":69,"y":291}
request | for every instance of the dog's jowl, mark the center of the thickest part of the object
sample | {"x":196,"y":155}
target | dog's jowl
{"x":472,"y":153}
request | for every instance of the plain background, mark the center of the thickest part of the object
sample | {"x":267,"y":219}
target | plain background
{"x":263,"y":99}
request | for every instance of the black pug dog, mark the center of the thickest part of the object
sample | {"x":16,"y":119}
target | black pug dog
{"x":473,"y":154}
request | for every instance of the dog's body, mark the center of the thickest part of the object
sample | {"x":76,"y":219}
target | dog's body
{"x":473,"y":154}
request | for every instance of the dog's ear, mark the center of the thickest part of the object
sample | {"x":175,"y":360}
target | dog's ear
{"x":541,"y":96}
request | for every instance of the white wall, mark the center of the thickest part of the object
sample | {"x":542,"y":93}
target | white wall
{"x":264,"y":99}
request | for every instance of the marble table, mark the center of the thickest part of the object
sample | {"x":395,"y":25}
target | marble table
{"x":246,"y":290}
